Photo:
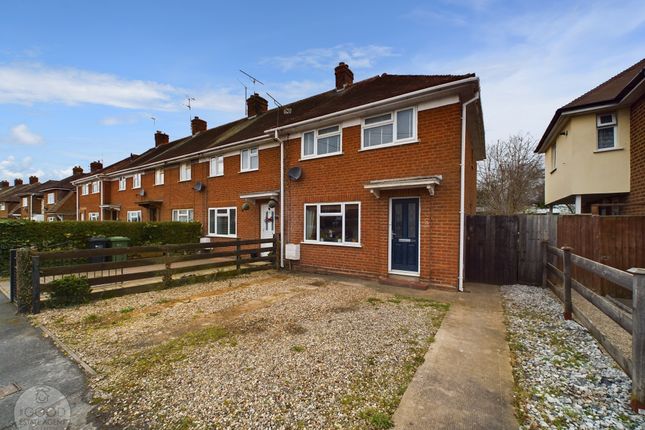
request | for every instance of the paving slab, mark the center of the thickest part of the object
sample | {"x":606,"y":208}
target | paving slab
{"x":466,"y":381}
{"x":27,"y":359}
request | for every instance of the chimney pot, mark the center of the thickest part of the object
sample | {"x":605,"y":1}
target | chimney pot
{"x":33,"y":180}
{"x":17,"y":182}
{"x":197,"y":124}
{"x":77,"y":170}
{"x":95,"y":165}
{"x":256,"y":105}
{"x":162,"y":138}
{"x":344,"y":76}
{"x":4,"y":184}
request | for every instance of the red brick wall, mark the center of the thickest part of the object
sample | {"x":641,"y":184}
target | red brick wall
{"x":636,"y":199}
{"x":341,"y":178}
{"x":88,"y":203}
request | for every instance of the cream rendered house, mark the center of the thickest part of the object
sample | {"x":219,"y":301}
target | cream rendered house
{"x":591,"y":159}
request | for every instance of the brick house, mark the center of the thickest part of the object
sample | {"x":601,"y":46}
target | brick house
{"x":59,"y":197}
{"x":369,"y":175}
{"x":594,"y":148}
{"x":9,"y":200}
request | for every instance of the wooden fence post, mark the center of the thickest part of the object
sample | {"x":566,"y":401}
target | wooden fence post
{"x":238,"y":256}
{"x":35,"y":284}
{"x":545,"y":260}
{"x":12,"y":275}
{"x":276,"y":251}
{"x":638,"y":339}
{"x":566,"y":271}
{"x":167,"y":276}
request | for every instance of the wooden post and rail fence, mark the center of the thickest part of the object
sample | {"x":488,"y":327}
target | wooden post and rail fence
{"x":631,"y":319}
{"x":111,"y":268}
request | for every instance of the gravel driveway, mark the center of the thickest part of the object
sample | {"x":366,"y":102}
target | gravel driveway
{"x":269,"y":351}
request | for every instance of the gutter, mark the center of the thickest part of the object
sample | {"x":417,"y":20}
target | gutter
{"x":462,"y":193}
{"x":282,"y":211}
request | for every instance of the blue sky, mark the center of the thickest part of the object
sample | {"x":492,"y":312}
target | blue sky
{"x":80,"y":80}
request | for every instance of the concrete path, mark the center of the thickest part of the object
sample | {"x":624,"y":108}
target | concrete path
{"x":27,"y":359}
{"x":466,"y":380}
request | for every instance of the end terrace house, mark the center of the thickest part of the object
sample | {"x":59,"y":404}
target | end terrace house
{"x":371,"y":178}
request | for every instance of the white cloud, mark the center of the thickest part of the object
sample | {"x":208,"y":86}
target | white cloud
{"x":22,"y":135}
{"x":10,"y":167}
{"x":358,"y":57}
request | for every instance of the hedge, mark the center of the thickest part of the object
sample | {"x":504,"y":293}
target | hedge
{"x":50,"y":236}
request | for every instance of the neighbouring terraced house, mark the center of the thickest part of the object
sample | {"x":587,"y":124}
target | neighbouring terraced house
{"x":594,"y":148}
{"x":371,"y":178}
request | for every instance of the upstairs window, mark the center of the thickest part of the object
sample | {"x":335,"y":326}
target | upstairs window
{"x":184,"y":171}
{"x":2,"y":207}
{"x":25,"y":202}
{"x":159,"y":176}
{"x":122,"y":183}
{"x":182,"y":215}
{"x":216,"y":167}
{"x":249,"y":159}
{"x":85,"y":189}
{"x":324,"y":141}
{"x":96,"y":187}
{"x":136,"y":181}
{"x":389,"y":129}
{"x":606,"y":124}
{"x":51,"y":198}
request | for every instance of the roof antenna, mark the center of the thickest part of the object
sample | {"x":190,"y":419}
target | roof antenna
{"x":154,"y":121}
{"x":188,"y":104}
{"x":253,"y":79}
{"x":246,"y":96}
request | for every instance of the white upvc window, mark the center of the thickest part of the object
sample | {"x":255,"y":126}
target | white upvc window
{"x":554,"y":157}
{"x":51,"y":198}
{"x":607,"y":130}
{"x":182,"y":215}
{"x":222,"y":222}
{"x":321,"y":142}
{"x":159,"y":176}
{"x":96,"y":187}
{"x":249,"y":159}
{"x":3,"y":207}
{"x":51,"y":219}
{"x":25,"y":202}
{"x":134,"y":216}
{"x":184,"y":171}
{"x":94,"y":216}
{"x":85,"y":189}
{"x":333,"y":223}
{"x":122,"y":183}
{"x":392,"y":128}
{"x":136,"y":181}
{"x":216,"y":167}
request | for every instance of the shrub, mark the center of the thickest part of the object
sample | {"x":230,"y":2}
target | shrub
{"x":69,"y":290}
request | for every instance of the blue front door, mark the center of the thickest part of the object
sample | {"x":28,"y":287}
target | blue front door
{"x":405,"y":235}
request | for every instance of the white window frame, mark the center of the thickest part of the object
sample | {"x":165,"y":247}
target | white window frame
{"x":136,"y":181}
{"x":214,"y":166}
{"x":131,"y":215}
{"x":185,"y":171}
{"x":392,"y":120}
{"x":93,"y":216}
{"x":228,"y":223}
{"x":317,"y":135}
{"x":25,"y":202}
{"x":613,"y":124}
{"x":342,"y":213}
{"x":96,"y":187}
{"x":51,"y":198}
{"x":2,"y":207}
{"x":160,"y":176}
{"x":51,"y":219}
{"x":85,"y":189}
{"x":178,"y":214}
{"x":554,"y":157}
{"x":249,"y":153}
{"x":123,"y":183}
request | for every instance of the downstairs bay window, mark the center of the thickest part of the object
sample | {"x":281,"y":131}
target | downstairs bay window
{"x":333,"y":223}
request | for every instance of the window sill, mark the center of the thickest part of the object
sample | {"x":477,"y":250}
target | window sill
{"x":215,"y":176}
{"x":158,"y":185}
{"x":344,"y":245}
{"x":313,"y":157}
{"x":248,"y":170}
{"x":404,"y":273}
{"x":185,"y":180}
{"x":121,"y":189}
{"x":226,"y":236}
{"x":136,"y":188}
{"x":617,"y":148}
{"x":389,"y":145}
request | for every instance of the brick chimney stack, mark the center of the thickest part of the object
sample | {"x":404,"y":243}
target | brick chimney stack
{"x":4,"y":184}
{"x":344,"y":76}
{"x":197,"y":124}
{"x":17,"y":182}
{"x":256,"y":105}
{"x":95,"y":165}
{"x":77,"y":170}
{"x":33,"y":180}
{"x":162,"y":138}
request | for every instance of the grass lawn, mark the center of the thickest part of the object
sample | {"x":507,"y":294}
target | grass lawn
{"x":265,"y":350}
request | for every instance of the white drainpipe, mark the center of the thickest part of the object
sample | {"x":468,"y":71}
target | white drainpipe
{"x":462,"y":203}
{"x":282,"y":211}
{"x":101,"y":205}
{"x":77,"y":192}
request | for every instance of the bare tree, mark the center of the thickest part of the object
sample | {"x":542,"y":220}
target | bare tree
{"x":511,"y":178}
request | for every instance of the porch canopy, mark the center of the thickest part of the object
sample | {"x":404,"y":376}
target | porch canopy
{"x":429,"y":182}
{"x":261,"y":195}
{"x":150,"y":203}
{"x":116,"y":208}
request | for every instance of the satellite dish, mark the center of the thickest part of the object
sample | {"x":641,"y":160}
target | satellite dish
{"x":295,"y":173}
{"x":142,"y":193}
{"x":199,"y":186}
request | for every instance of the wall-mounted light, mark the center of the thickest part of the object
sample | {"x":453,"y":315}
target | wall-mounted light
{"x":272,"y":203}
{"x":246,"y":206}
